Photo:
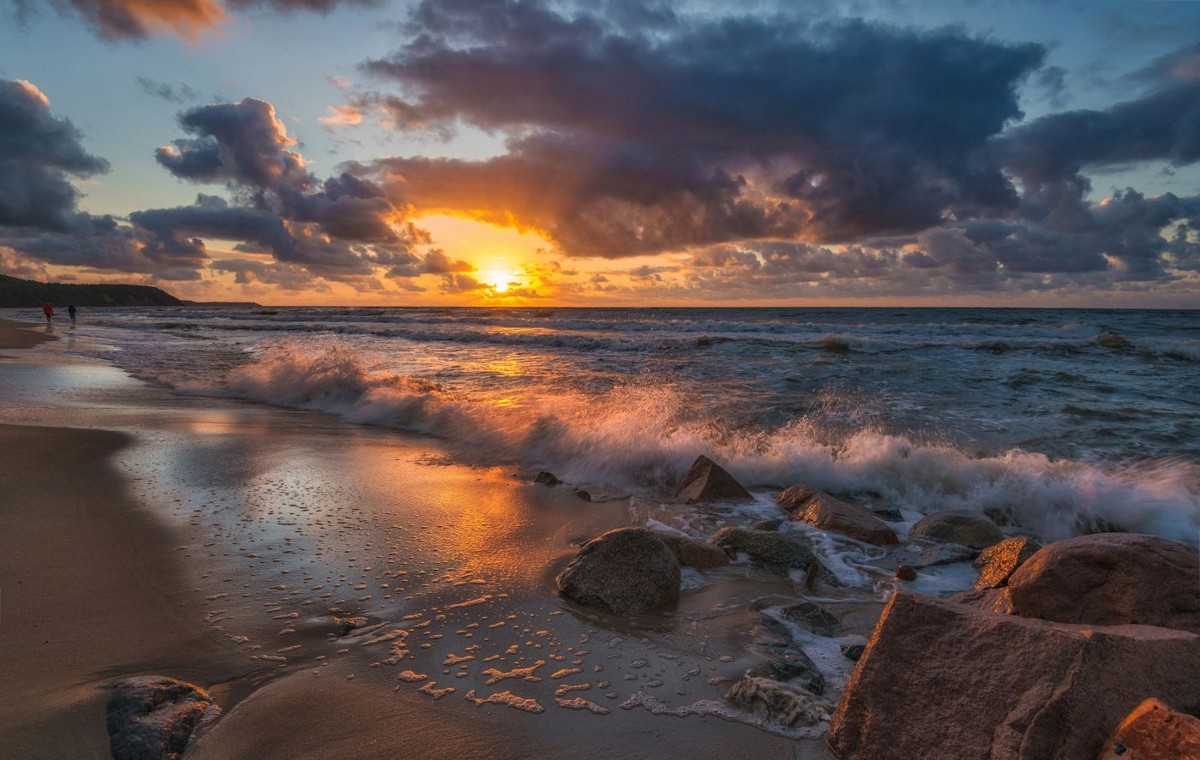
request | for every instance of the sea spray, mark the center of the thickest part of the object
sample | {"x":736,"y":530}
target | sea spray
{"x":638,"y":436}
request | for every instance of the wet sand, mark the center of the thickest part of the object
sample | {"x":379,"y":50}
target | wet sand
{"x":90,"y":591}
{"x":229,"y":544}
{"x":22,"y":335}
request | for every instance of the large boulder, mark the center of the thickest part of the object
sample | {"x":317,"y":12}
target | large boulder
{"x":624,"y":571}
{"x":706,"y":481}
{"x":1111,"y":579}
{"x":940,"y":679}
{"x":153,"y":717}
{"x":959,"y":526}
{"x":693,"y":553}
{"x":996,"y":563}
{"x":832,"y":514}
{"x":1154,"y":731}
{"x":767,"y":546}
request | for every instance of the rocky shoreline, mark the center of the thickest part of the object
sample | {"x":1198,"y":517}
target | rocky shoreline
{"x":1065,"y":650}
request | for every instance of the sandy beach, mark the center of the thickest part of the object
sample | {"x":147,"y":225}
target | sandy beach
{"x":221,"y":543}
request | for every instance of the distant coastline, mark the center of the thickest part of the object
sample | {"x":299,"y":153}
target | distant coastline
{"x":17,"y":293}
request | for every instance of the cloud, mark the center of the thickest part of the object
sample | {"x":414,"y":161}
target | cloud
{"x":180,"y":93}
{"x":241,"y":143}
{"x":625,"y":141}
{"x":39,"y":153}
{"x":342,"y":116}
{"x":117,"y":20}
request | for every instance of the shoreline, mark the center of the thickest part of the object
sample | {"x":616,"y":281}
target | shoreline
{"x":90,"y":592}
{"x":197,"y":510}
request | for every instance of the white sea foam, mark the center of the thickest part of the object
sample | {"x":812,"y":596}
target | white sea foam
{"x":643,"y":436}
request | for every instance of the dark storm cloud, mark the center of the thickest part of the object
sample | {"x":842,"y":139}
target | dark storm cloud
{"x":704,"y":130}
{"x":340,"y":228}
{"x":1163,"y":125}
{"x":39,"y":153}
{"x":135,"y":19}
{"x":241,"y":143}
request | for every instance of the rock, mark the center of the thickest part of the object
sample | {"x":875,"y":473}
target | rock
{"x":906,"y":573}
{"x":998,"y":562}
{"x":1154,"y":731}
{"x":582,"y":494}
{"x":944,"y":554}
{"x":942,"y":679}
{"x":832,"y":514}
{"x":546,"y":479}
{"x":693,"y":553}
{"x":777,"y":702}
{"x":772,"y":524}
{"x":959,"y":526}
{"x":786,"y":663}
{"x":853,"y":651}
{"x":623,"y":571}
{"x":706,"y":481}
{"x":1111,"y":579}
{"x":1113,"y":340}
{"x":891,"y":515}
{"x":991,"y":599}
{"x":768,"y":547}
{"x":347,"y":624}
{"x":152,"y":717}
{"x":811,"y":617}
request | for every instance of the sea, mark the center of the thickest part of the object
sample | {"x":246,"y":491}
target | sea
{"x":1061,"y":421}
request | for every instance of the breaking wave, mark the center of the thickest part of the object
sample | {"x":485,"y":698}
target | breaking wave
{"x":641,"y":436}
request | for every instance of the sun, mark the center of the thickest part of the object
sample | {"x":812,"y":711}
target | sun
{"x":497,"y":280}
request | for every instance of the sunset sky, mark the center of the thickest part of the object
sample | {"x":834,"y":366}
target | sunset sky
{"x":536,"y":153}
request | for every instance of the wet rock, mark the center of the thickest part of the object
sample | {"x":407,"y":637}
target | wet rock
{"x":890,"y":515}
{"x":777,"y":702}
{"x":546,"y":479}
{"x":853,"y":652}
{"x":976,"y":684}
{"x":959,"y":526}
{"x":770,"y":548}
{"x":582,"y":494}
{"x":1153,"y":731}
{"x":706,"y":481}
{"x":906,"y":573}
{"x":1111,"y":579}
{"x":772,"y":524}
{"x":153,"y":717}
{"x":811,"y":617}
{"x":786,"y":663}
{"x":623,"y":571}
{"x":1115,"y":341}
{"x":998,"y":562}
{"x":944,"y":554}
{"x":832,"y":514}
{"x":347,"y":624}
{"x":693,"y":553}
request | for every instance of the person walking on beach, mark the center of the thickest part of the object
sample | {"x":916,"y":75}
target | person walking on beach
{"x":48,"y":310}
{"x":71,"y":313}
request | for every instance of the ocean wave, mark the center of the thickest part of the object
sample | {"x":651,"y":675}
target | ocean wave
{"x":643,"y":435}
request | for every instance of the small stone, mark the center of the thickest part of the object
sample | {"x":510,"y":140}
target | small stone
{"x":772,"y":524}
{"x":546,"y":479}
{"x":959,"y":526}
{"x":706,"y":481}
{"x":906,"y":573}
{"x":154,"y":717}
{"x":583,"y":494}
{"x":853,"y":651}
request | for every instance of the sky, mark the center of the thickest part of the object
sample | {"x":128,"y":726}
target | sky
{"x":532,"y":153}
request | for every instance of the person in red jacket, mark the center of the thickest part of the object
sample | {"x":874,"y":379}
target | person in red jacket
{"x":48,"y":310}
